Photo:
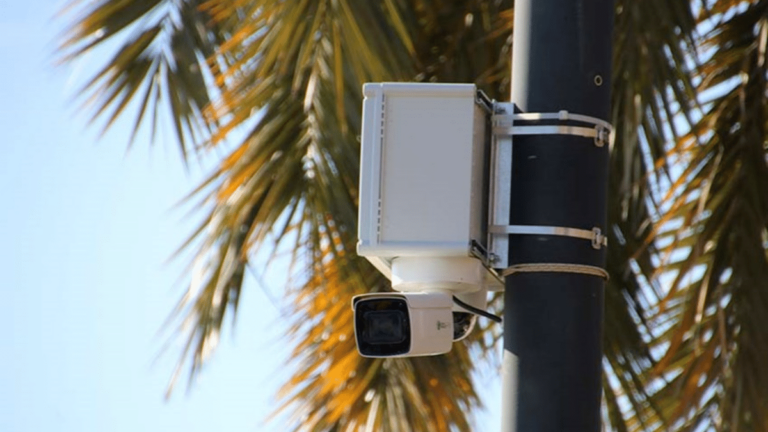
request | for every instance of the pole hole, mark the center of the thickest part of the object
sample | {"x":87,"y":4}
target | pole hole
{"x":598,"y":80}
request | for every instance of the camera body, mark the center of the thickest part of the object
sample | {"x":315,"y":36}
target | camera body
{"x":422,"y":318}
{"x":410,"y":324}
{"x":403,"y":324}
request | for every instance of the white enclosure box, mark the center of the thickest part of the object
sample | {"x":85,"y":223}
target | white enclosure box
{"x":422,"y":187}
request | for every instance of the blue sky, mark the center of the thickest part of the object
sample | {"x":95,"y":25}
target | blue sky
{"x":86,"y":231}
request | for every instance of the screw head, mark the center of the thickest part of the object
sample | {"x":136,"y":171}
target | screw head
{"x":598,"y":80}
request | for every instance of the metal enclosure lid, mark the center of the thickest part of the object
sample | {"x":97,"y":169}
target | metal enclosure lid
{"x":423,"y":162}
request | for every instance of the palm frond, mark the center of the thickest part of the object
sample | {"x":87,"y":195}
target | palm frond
{"x":160,"y":61}
{"x":716,"y":344}
{"x":653,"y":72}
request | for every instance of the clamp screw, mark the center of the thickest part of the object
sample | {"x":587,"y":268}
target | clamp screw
{"x":598,"y":239}
{"x":602,"y":136}
{"x":598,"y":80}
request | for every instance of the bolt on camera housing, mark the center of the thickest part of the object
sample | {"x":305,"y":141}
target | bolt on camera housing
{"x":423,"y":216}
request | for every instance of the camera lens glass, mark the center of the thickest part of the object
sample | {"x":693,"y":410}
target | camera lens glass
{"x":382,"y":326}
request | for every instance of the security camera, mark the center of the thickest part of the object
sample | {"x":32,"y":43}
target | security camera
{"x":410,"y":324}
{"x":423,"y":224}
{"x":403,"y":324}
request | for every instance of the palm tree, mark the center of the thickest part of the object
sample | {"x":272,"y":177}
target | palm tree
{"x":276,"y":87}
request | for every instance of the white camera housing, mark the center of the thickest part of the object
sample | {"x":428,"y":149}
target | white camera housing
{"x":409,"y":324}
{"x":403,"y":324}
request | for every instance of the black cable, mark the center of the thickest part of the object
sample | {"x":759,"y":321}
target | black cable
{"x":477,"y":311}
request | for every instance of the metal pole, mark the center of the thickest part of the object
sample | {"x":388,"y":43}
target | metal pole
{"x":553,"y":320}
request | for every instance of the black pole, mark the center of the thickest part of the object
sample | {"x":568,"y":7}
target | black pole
{"x":553,"y":320}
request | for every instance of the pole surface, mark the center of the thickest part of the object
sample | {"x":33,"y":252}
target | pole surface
{"x":553,"y":321}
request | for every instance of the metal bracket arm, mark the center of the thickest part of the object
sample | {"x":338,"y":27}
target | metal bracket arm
{"x":595,"y":235}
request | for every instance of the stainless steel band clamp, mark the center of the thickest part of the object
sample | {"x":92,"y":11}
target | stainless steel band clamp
{"x":505,"y":125}
{"x":595,"y":235}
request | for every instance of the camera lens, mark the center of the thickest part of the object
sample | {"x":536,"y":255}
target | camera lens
{"x":385,"y":327}
{"x":382,"y":327}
